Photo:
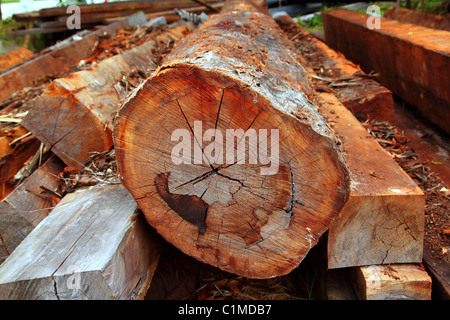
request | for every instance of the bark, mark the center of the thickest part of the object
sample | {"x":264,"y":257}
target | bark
{"x":241,"y":213}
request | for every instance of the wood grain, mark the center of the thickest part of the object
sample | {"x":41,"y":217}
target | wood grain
{"x":235,"y":72}
{"x":94,"y":245}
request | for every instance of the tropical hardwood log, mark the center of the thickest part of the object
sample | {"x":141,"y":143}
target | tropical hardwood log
{"x":360,"y":93}
{"x":74,"y":115}
{"x":257,"y":198}
{"x":95,"y":244}
{"x":23,"y":209}
{"x":412,"y":61}
{"x":391,"y":282}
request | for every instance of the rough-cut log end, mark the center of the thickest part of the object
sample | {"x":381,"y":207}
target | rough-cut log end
{"x":226,"y":213}
{"x":226,"y":156}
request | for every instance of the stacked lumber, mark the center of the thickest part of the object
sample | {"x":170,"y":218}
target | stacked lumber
{"x":48,"y":63}
{"x":90,"y":97}
{"x":380,"y":188}
{"x":84,"y":221}
{"x":355,"y":89}
{"x":52,"y":20}
{"x":412,"y":61}
{"x":101,"y":245}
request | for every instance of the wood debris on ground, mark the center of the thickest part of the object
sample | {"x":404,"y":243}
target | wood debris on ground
{"x":437,"y":208}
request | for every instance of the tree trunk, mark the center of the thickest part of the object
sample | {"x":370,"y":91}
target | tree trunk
{"x":257,"y":197}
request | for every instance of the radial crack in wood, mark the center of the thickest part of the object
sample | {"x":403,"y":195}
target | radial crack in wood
{"x":225,"y":152}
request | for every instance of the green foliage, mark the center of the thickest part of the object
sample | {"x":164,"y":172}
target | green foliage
{"x":34,"y":43}
{"x":429,"y":6}
{"x":316,"y":23}
{"x":9,"y":25}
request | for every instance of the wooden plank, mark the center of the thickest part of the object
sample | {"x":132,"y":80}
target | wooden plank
{"x":391,"y":282}
{"x":412,"y":61}
{"x":89,"y":97}
{"x":361,"y":94}
{"x":23,"y":209}
{"x":95,"y":244}
{"x":57,"y":59}
{"x":121,"y":6}
{"x":383,"y":220}
{"x":424,"y":19}
{"x":19,"y":154}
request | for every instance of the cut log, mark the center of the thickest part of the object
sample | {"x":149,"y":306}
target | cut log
{"x":94,"y":245}
{"x":356,"y":90}
{"x":228,"y":202}
{"x":392,"y":282}
{"x":58,"y":59}
{"x":412,"y":61}
{"x":420,"y":18}
{"x":73,"y":117}
{"x":23,"y":209}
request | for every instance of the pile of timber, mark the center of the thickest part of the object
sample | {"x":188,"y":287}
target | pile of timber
{"x":411,"y":60}
{"x":52,"y":20}
{"x":256,"y":219}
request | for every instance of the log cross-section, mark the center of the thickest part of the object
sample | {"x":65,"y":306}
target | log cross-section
{"x":224,"y":150}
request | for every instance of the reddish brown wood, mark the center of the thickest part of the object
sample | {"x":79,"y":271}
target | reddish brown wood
{"x":15,"y":56}
{"x":361,"y":94}
{"x":74,"y":115}
{"x":57,"y":59}
{"x":23,"y":209}
{"x":412,"y":61}
{"x":236,"y":71}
